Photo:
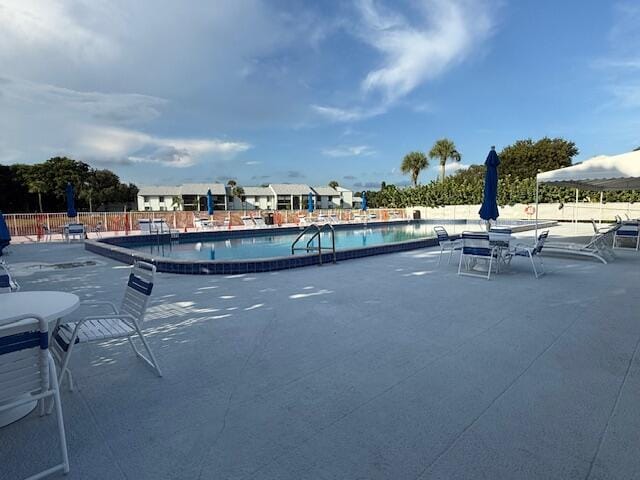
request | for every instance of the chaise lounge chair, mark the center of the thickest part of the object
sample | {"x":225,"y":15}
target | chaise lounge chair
{"x":596,"y":248}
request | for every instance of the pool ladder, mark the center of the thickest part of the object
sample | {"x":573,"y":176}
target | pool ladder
{"x":309,"y":247}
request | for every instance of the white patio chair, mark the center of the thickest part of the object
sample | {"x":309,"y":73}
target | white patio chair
{"x":627,"y":232}
{"x":247,"y":221}
{"x":531,"y":252}
{"x":124,"y":322}
{"x":144,"y":224}
{"x":476,"y":246}
{"x":446,"y":243}
{"x":28,"y":374}
{"x":75,"y":230}
{"x":259,"y":221}
{"x":7,"y":283}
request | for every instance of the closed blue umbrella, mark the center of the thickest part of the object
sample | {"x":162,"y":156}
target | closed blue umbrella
{"x":209,"y":202}
{"x":364,"y":200}
{"x":310,"y":203}
{"x":71,"y":204}
{"x":5,"y":236}
{"x":489,"y":209}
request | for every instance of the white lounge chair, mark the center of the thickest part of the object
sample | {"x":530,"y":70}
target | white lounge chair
{"x":123,"y":322}
{"x":476,"y":246}
{"x":7,"y":283}
{"x":259,"y":221}
{"x":596,"y":248}
{"x":28,"y":374}
{"x":531,"y":252}
{"x":446,"y":243}
{"x":248,"y":221}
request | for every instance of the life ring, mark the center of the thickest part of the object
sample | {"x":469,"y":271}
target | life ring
{"x":529,"y":210}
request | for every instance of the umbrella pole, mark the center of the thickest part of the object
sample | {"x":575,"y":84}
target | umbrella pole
{"x":601,"y":194}
{"x":537,"y":187}
{"x":575,"y":214}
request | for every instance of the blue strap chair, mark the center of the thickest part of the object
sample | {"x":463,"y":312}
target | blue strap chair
{"x":476,"y":246}
{"x":28,"y":374}
{"x":446,"y":243}
{"x":7,"y":284}
{"x":123,"y":322}
{"x":532,"y":252}
{"x":628,"y":232}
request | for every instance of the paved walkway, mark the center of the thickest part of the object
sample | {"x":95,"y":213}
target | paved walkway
{"x":380,"y":368}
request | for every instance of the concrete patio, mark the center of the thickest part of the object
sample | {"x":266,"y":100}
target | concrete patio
{"x":385,"y":367}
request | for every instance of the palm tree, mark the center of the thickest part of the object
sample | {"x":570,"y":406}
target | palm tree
{"x":334,"y":184}
{"x":37,"y":186}
{"x":236,"y":191}
{"x":444,"y":149}
{"x":176,"y":202}
{"x":413,"y":163}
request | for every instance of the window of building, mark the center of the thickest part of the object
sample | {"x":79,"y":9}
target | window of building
{"x":146,"y":199}
{"x":161,"y":199}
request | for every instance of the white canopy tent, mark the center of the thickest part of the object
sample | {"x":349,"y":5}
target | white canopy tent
{"x":601,"y":173}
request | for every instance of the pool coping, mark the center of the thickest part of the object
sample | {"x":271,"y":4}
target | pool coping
{"x":113,"y":248}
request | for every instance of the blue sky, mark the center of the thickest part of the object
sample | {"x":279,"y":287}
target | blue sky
{"x":279,"y":91}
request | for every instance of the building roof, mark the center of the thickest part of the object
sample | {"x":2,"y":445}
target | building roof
{"x":290,"y":188}
{"x":201,"y":189}
{"x":258,"y":191}
{"x":328,"y":191}
{"x":159,"y":190}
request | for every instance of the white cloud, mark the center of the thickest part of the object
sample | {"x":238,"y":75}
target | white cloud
{"x":120,"y":146}
{"x":441,"y":35}
{"x":349,"y":151}
{"x":113,"y":107}
{"x":50,"y":26}
{"x":345,"y":115}
{"x":447,"y":32}
{"x":253,"y":162}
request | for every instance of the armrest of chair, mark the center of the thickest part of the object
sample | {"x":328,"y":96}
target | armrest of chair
{"x":91,"y":303}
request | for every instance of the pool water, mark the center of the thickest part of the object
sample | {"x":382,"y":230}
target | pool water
{"x":279,"y":245}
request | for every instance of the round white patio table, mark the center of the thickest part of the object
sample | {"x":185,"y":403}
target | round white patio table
{"x":49,"y":305}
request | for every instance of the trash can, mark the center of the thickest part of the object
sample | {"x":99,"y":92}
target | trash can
{"x":416,"y":214}
{"x":268,"y":219}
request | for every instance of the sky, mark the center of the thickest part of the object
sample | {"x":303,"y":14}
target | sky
{"x":277,"y":91}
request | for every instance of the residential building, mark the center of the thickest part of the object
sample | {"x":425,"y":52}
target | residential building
{"x":346,"y":197}
{"x":190,"y":196}
{"x":291,"y":196}
{"x":277,"y":196}
{"x":326,"y":197}
{"x":254,"y":198}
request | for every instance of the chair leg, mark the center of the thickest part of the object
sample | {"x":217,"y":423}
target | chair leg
{"x":460,"y":263}
{"x":151,"y":360}
{"x":440,"y":258}
{"x":489,"y":269}
{"x":60,"y":419}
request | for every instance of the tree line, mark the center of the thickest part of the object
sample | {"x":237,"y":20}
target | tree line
{"x":519,"y":164}
{"x":41,"y":187}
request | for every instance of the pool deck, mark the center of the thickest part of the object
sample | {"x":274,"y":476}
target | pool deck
{"x":384,"y":367}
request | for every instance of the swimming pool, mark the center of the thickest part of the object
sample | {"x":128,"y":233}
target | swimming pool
{"x":269,"y":249}
{"x":278,"y":244}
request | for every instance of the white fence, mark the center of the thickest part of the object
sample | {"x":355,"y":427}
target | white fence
{"x":568,"y":212}
{"x":37,"y":224}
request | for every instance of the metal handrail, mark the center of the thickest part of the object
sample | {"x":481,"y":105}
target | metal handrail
{"x":318,"y":231}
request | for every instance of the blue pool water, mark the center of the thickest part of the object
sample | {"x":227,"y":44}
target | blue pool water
{"x":279,"y":245}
